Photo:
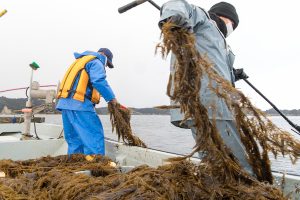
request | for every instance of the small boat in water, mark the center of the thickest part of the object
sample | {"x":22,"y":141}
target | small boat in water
{"x":17,"y":142}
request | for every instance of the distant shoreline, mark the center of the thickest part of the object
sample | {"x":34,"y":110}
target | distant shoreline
{"x":11,"y":104}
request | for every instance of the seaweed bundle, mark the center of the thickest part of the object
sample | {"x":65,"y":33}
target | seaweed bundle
{"x":258,"y":134}
{"x":120,"y":120}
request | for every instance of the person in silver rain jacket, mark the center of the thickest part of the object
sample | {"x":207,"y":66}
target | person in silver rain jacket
{"x":211,"y":29}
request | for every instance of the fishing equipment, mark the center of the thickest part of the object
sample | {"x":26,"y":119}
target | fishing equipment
{"x":275,"y":108}
{"x":35,"y":92}
{"x":136,"y":3}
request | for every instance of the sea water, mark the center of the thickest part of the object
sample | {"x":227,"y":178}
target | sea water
{"x":158,"y":133}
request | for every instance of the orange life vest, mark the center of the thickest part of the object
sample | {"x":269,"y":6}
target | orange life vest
{"x":78,"y":68}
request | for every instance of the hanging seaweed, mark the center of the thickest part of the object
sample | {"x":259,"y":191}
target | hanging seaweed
{"x":258,"y":134}
{"x":120,"y":121}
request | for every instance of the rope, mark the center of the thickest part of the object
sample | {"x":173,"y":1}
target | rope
{"x":23,"y":88}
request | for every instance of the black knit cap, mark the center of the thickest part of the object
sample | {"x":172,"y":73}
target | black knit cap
{"x":227,"y":10}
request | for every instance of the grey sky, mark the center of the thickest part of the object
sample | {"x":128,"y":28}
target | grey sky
{"x":266,"y":45}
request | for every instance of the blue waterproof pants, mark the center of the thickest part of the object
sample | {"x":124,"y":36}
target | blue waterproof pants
{"x":83,"y":132}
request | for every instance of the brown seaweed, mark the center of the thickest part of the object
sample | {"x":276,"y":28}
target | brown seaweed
{"x":259,"y":135}
{"x":55,"y":178}
{"x":120,"y":121}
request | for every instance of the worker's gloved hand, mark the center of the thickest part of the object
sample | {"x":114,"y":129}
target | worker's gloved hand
{"x":114,"y":101}
{"x":123,"y":107}
{"x":179,"y":20}
{"x":239,"y":74}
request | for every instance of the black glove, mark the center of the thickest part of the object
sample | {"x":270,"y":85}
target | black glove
{"x":179,"y":20}
{"x":239,"y":74}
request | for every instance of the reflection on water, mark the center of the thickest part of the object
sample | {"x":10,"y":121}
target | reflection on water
{"x":158,"y":133}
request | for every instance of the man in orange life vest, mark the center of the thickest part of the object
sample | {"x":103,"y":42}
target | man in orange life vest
{"x":79,"y":91}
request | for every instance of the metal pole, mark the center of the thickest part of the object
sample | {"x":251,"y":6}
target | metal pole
{"x":30,"y":86}
{"x":275,"y":108}
{"x":130,"y":5}
{"x":136,"y":3}
{"x":28,"y":112}
{"x":154,"y":4}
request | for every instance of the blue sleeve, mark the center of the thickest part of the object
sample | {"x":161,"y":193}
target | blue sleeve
{"x":97,"y":74}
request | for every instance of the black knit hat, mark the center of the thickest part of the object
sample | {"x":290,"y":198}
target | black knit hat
{"x":227,"y":10}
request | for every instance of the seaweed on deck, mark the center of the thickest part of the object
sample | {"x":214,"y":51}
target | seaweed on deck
{"x":55,"y":178}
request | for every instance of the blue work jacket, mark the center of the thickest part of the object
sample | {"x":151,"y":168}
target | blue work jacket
{"x":97,"y":77}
